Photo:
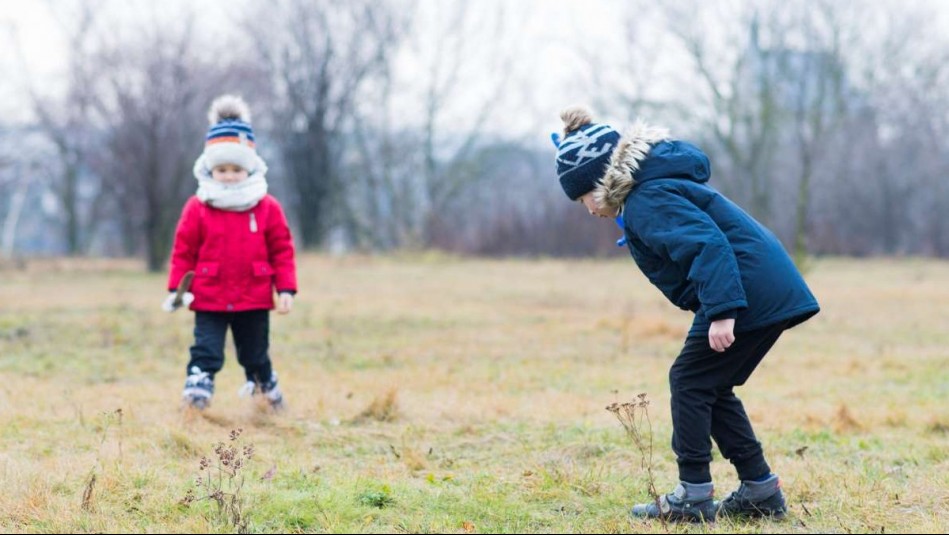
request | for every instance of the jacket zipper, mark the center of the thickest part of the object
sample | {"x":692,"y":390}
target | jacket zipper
{"x":253,"y":222}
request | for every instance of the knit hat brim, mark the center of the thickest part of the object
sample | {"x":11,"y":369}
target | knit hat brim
{"x":582,"y":158}
{"x":230,"y":153}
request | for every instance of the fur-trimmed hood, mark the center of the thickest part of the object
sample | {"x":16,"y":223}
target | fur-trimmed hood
{"x":644,"y":153}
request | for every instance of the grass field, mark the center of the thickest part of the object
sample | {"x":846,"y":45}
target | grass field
{"x":434,"y":394}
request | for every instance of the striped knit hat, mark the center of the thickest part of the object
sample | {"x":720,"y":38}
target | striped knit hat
{"x":584,"y":153}
{"x":230,"y":138}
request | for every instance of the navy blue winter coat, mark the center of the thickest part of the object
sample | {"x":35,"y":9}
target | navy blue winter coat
{"x":701,"y":250}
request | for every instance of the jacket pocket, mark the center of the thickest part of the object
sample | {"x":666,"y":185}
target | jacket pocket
{"x":206,"y":269}
{"x":263,"y":269}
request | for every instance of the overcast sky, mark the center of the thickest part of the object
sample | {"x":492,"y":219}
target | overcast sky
{"x":541,"y":24}
{"x":549,"y":80}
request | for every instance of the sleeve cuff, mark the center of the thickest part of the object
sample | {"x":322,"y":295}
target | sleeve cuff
{"x":719,"y":311}
{"x":725,"y":315}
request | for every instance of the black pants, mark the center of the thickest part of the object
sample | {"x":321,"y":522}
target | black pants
{"x":251,"y":331}
{"x":704,"y":404}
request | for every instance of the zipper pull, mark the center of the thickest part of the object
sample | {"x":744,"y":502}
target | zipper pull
{"x":253,"y":222}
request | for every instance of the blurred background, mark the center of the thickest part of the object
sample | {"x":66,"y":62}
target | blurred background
{"x":432,"y":390}
{"x":425,"y":124}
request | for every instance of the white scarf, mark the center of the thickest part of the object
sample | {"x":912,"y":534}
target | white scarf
{"x":237,"y":197}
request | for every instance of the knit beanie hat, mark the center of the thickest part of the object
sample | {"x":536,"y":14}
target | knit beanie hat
{"x":230,"y":138}
{"x":584,"y":152}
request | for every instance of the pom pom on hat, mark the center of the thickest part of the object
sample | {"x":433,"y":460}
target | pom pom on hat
{"x":230,"y":139}
{"x":574,"y":117}
{"x":228,"y":107}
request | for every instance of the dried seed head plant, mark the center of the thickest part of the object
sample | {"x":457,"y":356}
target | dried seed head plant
{"x":634,"y":417}
{"x":221,"y":480}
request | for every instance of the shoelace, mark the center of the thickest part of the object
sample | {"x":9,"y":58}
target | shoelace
{"x":738,"y":495}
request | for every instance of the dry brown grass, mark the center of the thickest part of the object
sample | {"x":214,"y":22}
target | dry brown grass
{"x":383,"y":408}
{"x":501,"y":368}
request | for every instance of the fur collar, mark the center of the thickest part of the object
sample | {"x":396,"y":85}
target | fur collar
{"x":619,"y":178}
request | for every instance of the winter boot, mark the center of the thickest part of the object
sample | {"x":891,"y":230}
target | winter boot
{"x":689,"y":502}
{"x":755,"y":499}
{"x":270,"y":390}
{"x":199,"y":387}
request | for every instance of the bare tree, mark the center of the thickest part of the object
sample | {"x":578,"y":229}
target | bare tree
{"x":886,"y":194}
{"x":21,"y":181}
{"x":774,"y":109}
{"x":733,"y":75}
{"x":154,"y":95}
{"x":912,"y":157}
{"x":14,"y":184}
{"x":390,"y":120}
{"x":450,"y":152}
{"x":625,"y":71}
{"x":817,"y":88}
{"x":380,"y":171}
{"x":445,"y":107}
{"x":67,"y":123}
{"x":319,"y":60}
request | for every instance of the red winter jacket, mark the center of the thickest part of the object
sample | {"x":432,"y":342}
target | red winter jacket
{"x":238,"y":258}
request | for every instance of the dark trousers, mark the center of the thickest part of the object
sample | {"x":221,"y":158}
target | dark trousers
{"x":251,"y":331}
{"x":704,"y":404}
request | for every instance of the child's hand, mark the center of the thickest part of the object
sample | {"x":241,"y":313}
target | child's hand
{"x":721,"y":334}
{"x":169,"y":305}
{"x":284,"y":303}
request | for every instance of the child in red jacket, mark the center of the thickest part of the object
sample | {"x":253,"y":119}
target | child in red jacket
{"x":234,"y":237}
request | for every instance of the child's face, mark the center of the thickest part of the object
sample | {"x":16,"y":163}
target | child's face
{"x":590,"y":204}
{"x":228,"y":173}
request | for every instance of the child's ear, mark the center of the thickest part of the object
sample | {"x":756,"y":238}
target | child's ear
{"x":555,"y":139}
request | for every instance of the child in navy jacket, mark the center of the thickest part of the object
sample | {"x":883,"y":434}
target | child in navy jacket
{"x":708,"y":256}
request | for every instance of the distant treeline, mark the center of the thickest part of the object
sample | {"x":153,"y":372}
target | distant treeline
{"x":385,"y":124}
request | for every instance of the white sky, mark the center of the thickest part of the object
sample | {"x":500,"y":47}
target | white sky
{"x":550,"y":74}
{"x":40,"y":38}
